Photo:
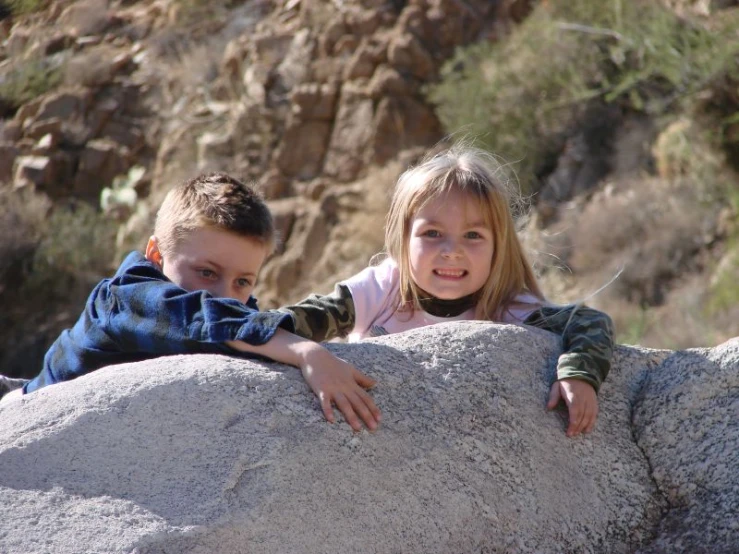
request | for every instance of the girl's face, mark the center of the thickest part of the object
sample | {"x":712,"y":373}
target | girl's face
{"x":451,"y":246}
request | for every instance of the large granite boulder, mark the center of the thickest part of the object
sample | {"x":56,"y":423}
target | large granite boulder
{"x":204,"y":454}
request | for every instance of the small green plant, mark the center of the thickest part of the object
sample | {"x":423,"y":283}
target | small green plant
{"x":724,"y":292}
{"x":635,"y":328}
{"x":119,"y":200}
{"x":20,"y":7}
{"x":74,"y":251}
{"x":29,"y":80}
{"x":22,"y":217}
{"x":521,"y":96}
{"x":192,"y":11}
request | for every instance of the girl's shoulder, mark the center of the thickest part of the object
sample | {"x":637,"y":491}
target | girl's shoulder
{"x":383,"y":275}
{"x":373,"y":291}
{"x":521,"y":307}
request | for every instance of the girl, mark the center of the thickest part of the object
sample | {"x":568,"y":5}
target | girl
{"x":453,"y":254}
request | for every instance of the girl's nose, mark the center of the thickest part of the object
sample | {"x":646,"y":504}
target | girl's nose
{"x":450,"y":249}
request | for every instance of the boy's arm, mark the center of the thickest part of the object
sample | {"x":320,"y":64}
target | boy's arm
{"x":148,"y":314}
{"x":138,"y":314}
{"x":333,"y":380}
{"x":587,"y":339}
{"x":140,"y":310}
{"x":321,"y":318}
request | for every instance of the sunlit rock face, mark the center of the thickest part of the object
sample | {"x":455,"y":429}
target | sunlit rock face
{"x":202,"y":454}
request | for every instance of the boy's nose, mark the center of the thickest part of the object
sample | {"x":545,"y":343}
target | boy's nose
{"x":219,"y":290}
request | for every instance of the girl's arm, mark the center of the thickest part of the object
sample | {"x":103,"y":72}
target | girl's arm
{"x":587,"y":341}
{"x":321,"y":318}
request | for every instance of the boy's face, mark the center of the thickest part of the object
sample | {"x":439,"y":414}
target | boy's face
{"x":223,"y":263}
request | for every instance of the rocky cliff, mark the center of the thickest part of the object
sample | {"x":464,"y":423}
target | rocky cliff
{"x":104,"y":104}
{"x":196,"y":454}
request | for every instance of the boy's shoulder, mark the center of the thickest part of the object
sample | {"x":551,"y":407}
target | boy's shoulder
{"x":132,"y":260}
{"x":135,"y":267}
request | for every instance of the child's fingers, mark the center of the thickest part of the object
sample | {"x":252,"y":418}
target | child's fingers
{"x":370,"y":403}
{"x":361,"y":407}
{"x":591,"y":425}
{"x":345,"y":407}
{"x":554,"y":396}
{"x":363,"y":380}
{"x":577,"y":420}
{"x":592,"y":418}
{"x":328,"y":411}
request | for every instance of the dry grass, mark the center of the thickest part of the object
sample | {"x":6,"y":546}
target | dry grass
{"x":22,"y":216}
{"x":56,"y":259}
{"x":652,"y":229}
{"x":681,"y":322}
{"x":663,"y":235}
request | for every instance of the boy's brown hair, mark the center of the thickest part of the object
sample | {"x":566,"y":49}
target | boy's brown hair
{"x":214,"y":200}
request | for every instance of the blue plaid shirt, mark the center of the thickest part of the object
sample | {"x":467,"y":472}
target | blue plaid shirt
{"x":140,"y":314}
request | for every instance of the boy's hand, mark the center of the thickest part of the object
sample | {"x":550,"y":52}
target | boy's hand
{"x":582,"y":404}
{"x":335,"y":381}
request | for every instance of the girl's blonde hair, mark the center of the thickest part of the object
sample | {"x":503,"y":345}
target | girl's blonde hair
{"x":477,"y":173}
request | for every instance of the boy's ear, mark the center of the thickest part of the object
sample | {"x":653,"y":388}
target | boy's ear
{"x":152,"y":251}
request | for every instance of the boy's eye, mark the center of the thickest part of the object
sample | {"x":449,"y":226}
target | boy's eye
{"x":243,"y":283}
{"x":432,"y":233}
{"x":207,"y":273}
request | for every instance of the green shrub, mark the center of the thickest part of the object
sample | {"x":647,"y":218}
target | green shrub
{"x":74,"y":252}
{"x":50,"y":258}
{"x":194,"y":11}
{"x":521,"y":95}
{"x":724,"y":293}
{"x":22,"y":217}
{"x":633,"y":329}
{"x":29,"y":80}
{"x":20,"y":7}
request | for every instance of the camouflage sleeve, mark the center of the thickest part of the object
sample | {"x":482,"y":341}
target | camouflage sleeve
{"x":587,"y":341}
{"x":320,"y":318}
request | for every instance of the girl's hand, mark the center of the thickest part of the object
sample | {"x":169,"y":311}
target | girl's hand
{"x":335,"y":381}
{"x":582,"y":404}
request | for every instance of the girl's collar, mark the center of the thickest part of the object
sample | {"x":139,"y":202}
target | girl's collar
{"x":448,"y":308}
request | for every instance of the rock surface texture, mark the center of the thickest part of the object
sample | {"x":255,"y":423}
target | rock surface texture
{"x":202,"y":454}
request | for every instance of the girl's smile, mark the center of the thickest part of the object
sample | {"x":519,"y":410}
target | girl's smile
{"x":450,"y":273}
{"x":451,"y":247}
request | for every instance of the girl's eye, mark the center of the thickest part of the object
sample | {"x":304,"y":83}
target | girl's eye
{"x":243,"y":283}
{"x":432,"y":233}
{"x":473,"y":235}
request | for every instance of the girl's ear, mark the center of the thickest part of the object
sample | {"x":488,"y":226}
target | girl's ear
{"x":152,"y":252}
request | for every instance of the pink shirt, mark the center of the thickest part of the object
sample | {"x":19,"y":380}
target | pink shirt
{"x":375,"y":292}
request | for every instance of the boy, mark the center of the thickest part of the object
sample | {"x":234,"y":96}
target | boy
{"x":191,"y":293}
